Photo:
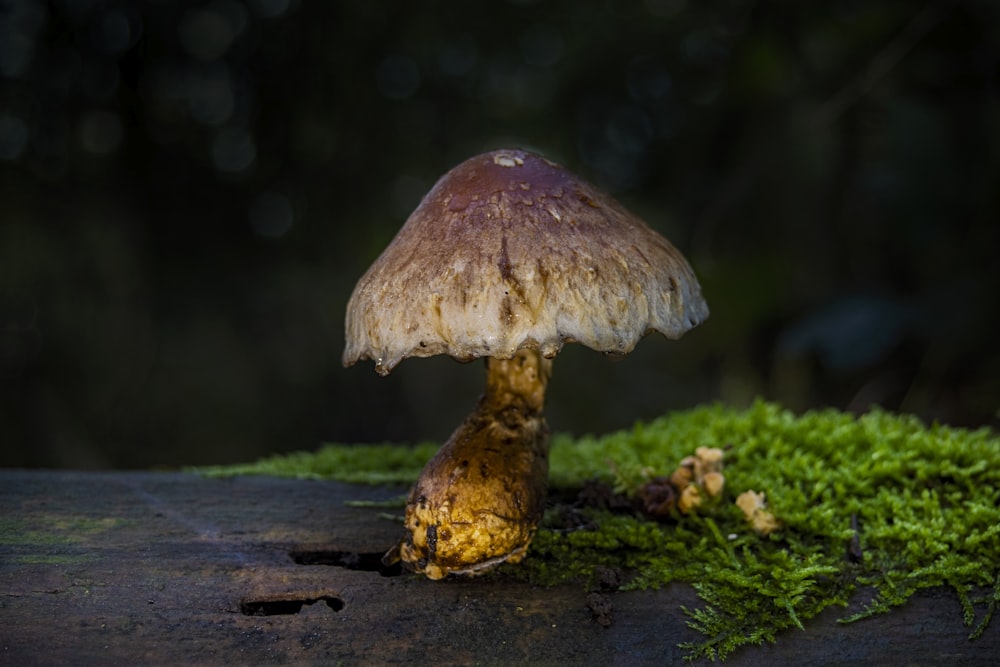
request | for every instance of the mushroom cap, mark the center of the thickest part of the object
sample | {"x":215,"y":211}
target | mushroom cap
{"x":507,"y":251}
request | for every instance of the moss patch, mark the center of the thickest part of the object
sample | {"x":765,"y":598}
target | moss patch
{"x":357,"y":464}
{"x":880,"y":502}
{"x":54,"y":530}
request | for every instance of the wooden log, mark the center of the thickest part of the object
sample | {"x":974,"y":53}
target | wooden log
{"x":157,"y":568}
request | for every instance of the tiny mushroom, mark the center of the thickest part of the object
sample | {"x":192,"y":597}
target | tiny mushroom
{"x":508,"y":257}
{"x":754,"y":506}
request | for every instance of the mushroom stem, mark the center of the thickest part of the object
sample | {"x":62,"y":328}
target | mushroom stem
{"x":516,"y":384}
{"x":478,"y":501}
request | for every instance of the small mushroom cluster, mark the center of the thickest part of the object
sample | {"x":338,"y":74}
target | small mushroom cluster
{"x":754,"y":506}
{"x":698,"y":475}
{"x":696,"y":478}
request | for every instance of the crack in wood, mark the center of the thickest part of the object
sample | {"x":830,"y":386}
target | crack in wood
{"x":350,"y":560}
{"x":287,"y":606}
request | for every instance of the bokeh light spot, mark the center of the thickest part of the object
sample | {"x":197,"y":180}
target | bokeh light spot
{"x":271,"y":215}
{"x":116,"y":31}
{"x":233,"y":150}
{"x":21,"y":22}
{"x":210,"y":96}
{"x":648,"y":79}
{"x":208,"y":33}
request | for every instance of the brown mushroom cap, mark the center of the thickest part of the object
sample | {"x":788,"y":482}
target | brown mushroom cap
{"x":507,"y":251}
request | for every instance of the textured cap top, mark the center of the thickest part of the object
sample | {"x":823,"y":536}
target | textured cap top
{"x":509,"y":250}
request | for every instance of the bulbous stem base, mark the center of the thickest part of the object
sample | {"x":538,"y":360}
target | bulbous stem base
{"x":478,"y":501}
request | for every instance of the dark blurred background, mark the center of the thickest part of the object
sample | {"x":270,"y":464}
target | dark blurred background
{"x":190,"y":190}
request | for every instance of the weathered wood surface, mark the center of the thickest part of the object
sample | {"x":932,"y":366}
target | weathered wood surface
{"x":151,"y":568}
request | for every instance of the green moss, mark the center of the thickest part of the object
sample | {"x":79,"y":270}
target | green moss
{"x":53,"y":530}
{"x":358,"y":464}
{"x":922,"y":504}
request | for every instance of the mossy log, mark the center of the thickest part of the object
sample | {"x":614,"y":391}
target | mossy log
{"x":164,"y":568}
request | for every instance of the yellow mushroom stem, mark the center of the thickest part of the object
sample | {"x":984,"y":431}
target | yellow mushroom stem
{"x":478,"y":501}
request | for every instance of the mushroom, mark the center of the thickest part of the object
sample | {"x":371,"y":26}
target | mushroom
{"x":508,"y":257}
{"x":754,"y":506}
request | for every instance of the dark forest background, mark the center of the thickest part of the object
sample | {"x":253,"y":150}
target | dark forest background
{"x":189,"y":190}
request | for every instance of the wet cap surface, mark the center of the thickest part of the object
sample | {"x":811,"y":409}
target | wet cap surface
{"x":509,"y":250}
